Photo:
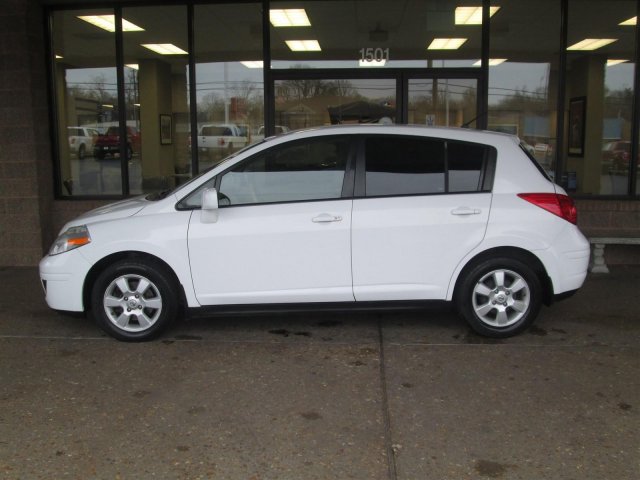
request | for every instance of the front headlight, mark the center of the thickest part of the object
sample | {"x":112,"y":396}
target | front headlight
{"x":74,"y":237}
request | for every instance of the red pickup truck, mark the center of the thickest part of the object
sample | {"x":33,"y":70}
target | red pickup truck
{"x":109,"y":143}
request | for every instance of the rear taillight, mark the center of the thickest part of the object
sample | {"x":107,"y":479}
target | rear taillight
{"x":221,"y":141}
{"x":560,"y":205}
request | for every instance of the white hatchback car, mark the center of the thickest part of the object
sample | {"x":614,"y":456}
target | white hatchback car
{"x":348,"y":216}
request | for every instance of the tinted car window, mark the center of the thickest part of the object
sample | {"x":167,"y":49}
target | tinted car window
{"x":404,"y":166}
{"x":464,"y":162}
{"x":306,"y":170}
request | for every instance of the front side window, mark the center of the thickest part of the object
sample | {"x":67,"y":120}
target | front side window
{"x":305,"y":170}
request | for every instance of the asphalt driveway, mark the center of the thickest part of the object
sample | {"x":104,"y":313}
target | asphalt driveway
{"x":409,"y":395}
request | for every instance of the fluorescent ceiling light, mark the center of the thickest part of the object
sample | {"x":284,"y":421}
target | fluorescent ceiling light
{"x":446,"y":43}
{"x":134,"y":66}
{"x":303,"y":45}
{"x":108,"y":23}
{"x":372,"y":63}
{"x":164,"y":48}
{"x":472,"y":15}
{"x":253,"y":64}
{"x":107,"y":105}
{"x":615,"y":61}
{"x":592,"y":43}
{"x":631,"y":21}
{"x":492,"y":62}
{"x":58,"y":57}
{"x":289,"y":18}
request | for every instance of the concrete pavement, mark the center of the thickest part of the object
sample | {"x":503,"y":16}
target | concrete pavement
{"x":324,"y":396}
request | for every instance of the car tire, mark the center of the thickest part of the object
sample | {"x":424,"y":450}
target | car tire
{"x":499,"y":297}
{"x":129,"y":152}
{"x":81,"y":152}
{"x":134,"y":301}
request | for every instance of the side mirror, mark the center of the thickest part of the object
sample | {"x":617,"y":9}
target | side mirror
{"x":209,"y":211}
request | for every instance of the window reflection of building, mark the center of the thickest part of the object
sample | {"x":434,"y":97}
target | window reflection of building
{"x":525,"y":83}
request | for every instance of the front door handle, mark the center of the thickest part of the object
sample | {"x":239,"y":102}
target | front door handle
{"x":326,"y":218}
{"x":465,"y":211}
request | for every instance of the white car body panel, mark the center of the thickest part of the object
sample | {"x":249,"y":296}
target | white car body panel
{"x":273,"y":254}
{"x":397,"y":254}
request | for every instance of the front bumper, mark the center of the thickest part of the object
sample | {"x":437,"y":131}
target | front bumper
{"x":63,"y":278}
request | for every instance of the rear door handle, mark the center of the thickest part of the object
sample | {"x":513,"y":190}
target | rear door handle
{"x":326,"y":218}
{"x":465,"y":211}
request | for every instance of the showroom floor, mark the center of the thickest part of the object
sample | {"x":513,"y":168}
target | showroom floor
{"x":412,"y":395}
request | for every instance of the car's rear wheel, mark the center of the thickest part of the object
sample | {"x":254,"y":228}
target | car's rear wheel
{"x":499,"y":297}
{"x":134,"y":301}
{"x":81,"y":152}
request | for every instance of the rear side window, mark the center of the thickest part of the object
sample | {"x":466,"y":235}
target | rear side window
{"x":464,"y":162}
{"x":404,"y":166}
{"x":417,"y":165}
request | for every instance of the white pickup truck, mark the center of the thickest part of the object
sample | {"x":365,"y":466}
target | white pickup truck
{"x":81,"y":140}
{"x":220,"y":140}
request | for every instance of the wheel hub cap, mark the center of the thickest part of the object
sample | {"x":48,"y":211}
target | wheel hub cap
{"x":132,"y":303}
{"x":501,"y":298}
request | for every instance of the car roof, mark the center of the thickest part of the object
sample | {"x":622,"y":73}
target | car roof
{"x":453,"y":133}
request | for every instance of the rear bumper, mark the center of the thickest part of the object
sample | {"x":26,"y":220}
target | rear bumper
{"x":567,"y":260}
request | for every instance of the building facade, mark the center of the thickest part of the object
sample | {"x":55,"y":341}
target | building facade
{"x":102,"y":101}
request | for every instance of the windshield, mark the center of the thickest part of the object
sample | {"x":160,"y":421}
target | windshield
{"x":165,"y":193}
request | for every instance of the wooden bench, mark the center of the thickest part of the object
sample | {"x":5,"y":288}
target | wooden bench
{"x":597,"y":264}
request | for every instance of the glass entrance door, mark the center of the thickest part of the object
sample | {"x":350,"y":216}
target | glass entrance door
{"x":442,"y":101}
{"x":313,"y":102}
{"x":312,"y":99}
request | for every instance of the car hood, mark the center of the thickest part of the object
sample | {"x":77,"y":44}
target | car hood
{"x":113,"y":211}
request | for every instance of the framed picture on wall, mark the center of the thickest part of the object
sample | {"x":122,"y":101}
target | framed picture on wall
{"x":577,"y":117}
{"x":165,"y":129}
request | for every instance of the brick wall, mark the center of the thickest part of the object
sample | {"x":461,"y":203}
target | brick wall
{"x":612,"y":218}
{"x":26,"y":188}
{"x":609,"y":217}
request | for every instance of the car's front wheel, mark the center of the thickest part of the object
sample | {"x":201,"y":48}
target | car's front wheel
{"x":499,"y":297}
{"x":134,"y":301}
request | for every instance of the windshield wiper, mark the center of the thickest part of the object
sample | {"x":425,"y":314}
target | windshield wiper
{"x":155,"y":196}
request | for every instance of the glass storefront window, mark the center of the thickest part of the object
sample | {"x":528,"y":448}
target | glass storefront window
{"x":229,"y":79}
{"x":87,"y":102}
{"x":156,"y":96}
{"x":523,"y":75}
{"x":599,"y":86}
{"x":375,"y":34}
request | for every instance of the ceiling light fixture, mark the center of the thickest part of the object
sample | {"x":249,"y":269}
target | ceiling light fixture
{"x":108,"y":23}
{"x":303,"y":45}
{"x":134,"y":66}
{"x":615,"y":61}
{"x":164,"y":48}
{"x":631,"y":21}
{"x":58,"y":57}
{"x":492,"y":62}
{"x":289,"y":18}
{"x":592,"y":43}
{"x":253,"y":64}
{"x":472,"y":15}
{"x":446,"y":43}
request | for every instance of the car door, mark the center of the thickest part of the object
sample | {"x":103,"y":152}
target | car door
{"x":421,"y":205}
{"x":283,"y":228}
